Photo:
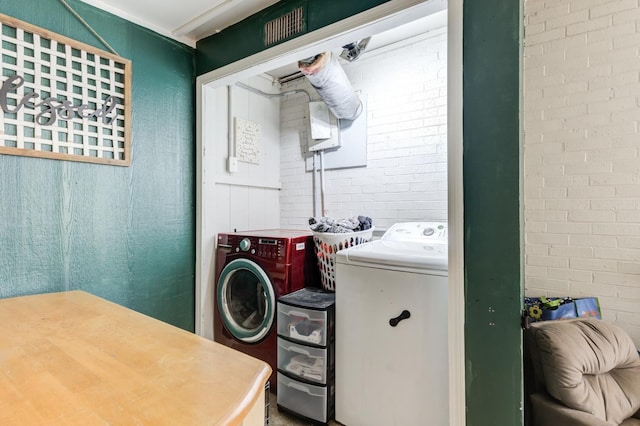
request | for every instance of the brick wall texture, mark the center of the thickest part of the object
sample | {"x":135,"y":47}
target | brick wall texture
{"x":581,"y":79}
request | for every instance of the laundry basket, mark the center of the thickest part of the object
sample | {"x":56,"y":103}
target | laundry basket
{"x":328,"y":244}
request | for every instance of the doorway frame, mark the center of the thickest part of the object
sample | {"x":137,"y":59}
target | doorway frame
{"x":382,"y":17}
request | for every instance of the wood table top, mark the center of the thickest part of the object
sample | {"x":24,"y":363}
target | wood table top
{"x":74,"y":358}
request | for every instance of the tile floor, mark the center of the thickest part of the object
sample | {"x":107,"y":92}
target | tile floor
{"x":278,"y":418}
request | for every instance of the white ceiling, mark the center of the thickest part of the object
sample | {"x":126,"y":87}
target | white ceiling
{"x":186,"y":21}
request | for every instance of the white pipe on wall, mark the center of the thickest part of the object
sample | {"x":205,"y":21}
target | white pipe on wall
{"x":315,"y":184}
{"x":272,"y":95}
{"x":323,"y":210}
{"x":231,"y":152}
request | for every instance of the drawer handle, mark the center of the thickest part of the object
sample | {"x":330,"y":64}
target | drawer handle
{"x":404,"y":315}
{"x":300,"y":351}
{"x":299,"y":314}
{"x":299,"y":387}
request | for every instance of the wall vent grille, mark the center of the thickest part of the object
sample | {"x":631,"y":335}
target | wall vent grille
{"x":284,"y":27}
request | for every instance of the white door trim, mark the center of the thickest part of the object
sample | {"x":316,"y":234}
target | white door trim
{"x":457,"y":385}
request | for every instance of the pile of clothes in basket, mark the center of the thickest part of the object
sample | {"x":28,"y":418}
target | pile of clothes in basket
{"x":340,"y":226}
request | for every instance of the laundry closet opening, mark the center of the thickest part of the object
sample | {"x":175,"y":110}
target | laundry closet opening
{"x":266,"y":166}
{"x":268,"y":176}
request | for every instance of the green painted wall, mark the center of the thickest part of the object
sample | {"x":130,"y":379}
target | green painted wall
{"x":491,"y":184}
{"x":246,"y":37}
{"x":124,"y":233}
{"x":491,"y":156}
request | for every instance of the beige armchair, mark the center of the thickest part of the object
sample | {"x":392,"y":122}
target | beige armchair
{"x":582,"y":372}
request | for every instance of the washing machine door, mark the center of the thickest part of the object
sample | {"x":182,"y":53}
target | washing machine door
{"x":246,"y":300}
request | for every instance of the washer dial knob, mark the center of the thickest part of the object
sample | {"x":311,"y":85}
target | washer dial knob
{"x":245,"y":244}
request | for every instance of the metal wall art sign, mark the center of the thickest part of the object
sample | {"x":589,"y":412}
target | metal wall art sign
{"x":62,"y":99}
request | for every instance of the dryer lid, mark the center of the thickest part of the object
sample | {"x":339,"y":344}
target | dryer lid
{"x":391,"y":254}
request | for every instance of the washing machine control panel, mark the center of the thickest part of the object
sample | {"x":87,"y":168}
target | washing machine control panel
{"x":267,"y":248}
{"x":270,"y":248}
{"x":282,"y":246}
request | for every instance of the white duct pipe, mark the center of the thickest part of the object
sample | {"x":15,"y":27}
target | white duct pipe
{"x":330,"y":81}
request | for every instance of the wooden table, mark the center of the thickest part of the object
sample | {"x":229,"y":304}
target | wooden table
{"x":76,"y":359}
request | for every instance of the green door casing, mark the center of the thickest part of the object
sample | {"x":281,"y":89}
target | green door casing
{"x":491,"y":176}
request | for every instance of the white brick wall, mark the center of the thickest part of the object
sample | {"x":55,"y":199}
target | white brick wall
{"x":406,"y":174}
{"x":581,"y":160}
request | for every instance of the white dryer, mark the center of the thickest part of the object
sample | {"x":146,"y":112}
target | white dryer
{"x":391,"y":329}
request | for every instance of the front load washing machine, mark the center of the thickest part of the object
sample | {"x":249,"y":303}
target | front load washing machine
{"x":253,"y":269}
{"x":391,"y":329}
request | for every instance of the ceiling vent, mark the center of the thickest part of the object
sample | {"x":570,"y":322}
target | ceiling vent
{"x":284,"y":27}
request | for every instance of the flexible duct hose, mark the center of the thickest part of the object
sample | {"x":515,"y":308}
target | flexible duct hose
{"x":330,"y":81}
